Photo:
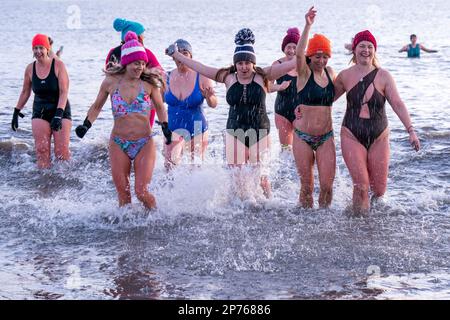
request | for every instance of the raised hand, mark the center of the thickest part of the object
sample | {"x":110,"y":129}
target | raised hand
{"x":284,"y":85}
{"x":310,"y":16}
{"x":207,"y":92}
{"x":172,"y":49}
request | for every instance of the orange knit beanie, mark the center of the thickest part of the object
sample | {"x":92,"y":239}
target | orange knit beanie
{"x":318,"y":44}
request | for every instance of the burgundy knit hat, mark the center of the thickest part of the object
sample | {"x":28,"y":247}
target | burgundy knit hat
{"x":132,"y":50}
{"x":292,"y":36}
{"x":364,"y":36}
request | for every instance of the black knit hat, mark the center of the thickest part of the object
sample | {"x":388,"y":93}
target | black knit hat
{"x":244,"y":51}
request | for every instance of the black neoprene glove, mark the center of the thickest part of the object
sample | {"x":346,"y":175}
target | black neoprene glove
{"x":56,"y":123}
{"x":82,"y":129}
{"x":167,"y":132}
{"x":15,"y":119}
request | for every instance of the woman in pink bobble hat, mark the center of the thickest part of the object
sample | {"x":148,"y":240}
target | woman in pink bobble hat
{"x":132,"y":88}
{"x":124,"y":26}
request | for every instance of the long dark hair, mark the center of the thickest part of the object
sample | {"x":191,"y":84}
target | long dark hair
{"x":224,"y":72}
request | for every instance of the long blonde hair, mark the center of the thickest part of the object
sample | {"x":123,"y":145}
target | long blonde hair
{"x":222,"y":74}
{"x":375,"y":61}
{"x":151,"y":76}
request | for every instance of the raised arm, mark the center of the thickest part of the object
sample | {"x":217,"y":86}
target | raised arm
{"x":427,"y":50}
{"x":302,"y":67}
{"x":400,"y":109}
{"x":277,"y":70}
{"x":207,"y":71}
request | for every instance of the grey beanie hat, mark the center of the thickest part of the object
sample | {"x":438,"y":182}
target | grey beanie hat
{"x":183,"y":45}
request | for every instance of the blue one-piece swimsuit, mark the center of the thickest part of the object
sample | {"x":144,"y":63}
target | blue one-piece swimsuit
{"x":186,"y":116}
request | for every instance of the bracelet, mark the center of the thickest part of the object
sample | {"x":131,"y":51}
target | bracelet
{"x":410,"y":128}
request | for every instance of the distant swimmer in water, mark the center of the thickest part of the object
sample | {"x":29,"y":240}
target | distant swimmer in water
{"x":186,"y":91}
{"x":365,"y":132}
{"x":247,"y":140}
{"x":123,"y":26}
{"x":131,"y":88}
{"x":48,"y":79}
{"x":413,"y":49}
{"x":286,"y":88}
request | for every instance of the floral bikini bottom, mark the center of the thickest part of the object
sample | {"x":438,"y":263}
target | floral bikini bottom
{"x":132,"y":147}
{"x":313,"y":141}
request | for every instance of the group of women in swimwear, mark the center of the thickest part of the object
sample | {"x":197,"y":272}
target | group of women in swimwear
{"x":306,"y":89}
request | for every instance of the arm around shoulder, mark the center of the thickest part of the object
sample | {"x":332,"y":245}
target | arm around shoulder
{"x":339,"y":88}
{"x":205,"y":70}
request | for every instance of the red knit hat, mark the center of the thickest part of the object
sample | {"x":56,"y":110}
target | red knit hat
{"x":292,"y":36}
{"x":318,"y":44}
{"x":364,"y":36}
{"x":40,"y":40}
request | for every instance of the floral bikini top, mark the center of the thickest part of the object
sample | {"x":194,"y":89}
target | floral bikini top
{"x":120,"y":107}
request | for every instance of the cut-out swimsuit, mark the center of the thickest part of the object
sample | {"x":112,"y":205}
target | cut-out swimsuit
{"x":366,"y":131}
